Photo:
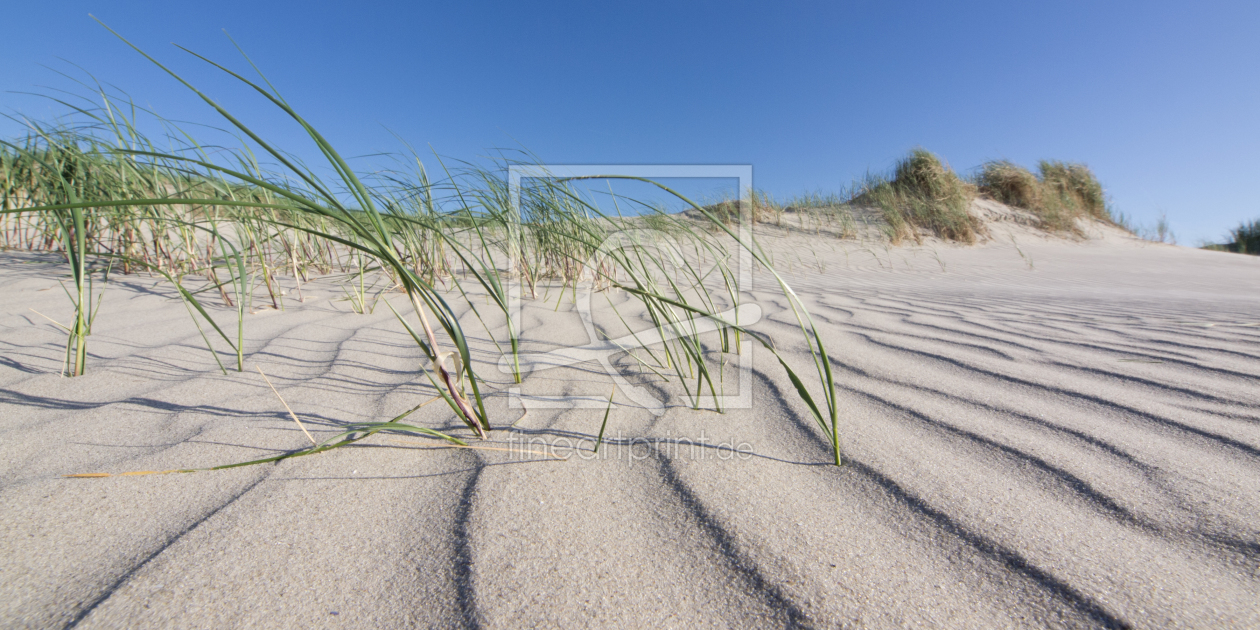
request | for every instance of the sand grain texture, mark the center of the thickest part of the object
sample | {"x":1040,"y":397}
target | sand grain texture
{"x":1037,"y":432}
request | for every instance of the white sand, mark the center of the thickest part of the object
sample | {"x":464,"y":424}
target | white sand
{"x":1064,"y":437}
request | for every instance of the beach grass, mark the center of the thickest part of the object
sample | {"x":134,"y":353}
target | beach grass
{"x":1010,"y":184}
{"x":247,"y":222}
{"x":236,"y":222}
{"x":922,"y":194}
{"x":1246,"y":239}
{"x":1059,"y":194}
{"x":1075,"y":187}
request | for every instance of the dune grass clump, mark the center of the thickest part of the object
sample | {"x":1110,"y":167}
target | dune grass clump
{"x":1010,"y":184}
{"x":923,"y":194}
{"x":1059,"y":194}
{"x":70,"y":191}
{"x":1018,"y":187}
{"x":1075,"y":187}
{"x":761,"y":205}
{"x":1246,"y":238}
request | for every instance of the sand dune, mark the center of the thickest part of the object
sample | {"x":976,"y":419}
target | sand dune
{"x":1037,"y":432}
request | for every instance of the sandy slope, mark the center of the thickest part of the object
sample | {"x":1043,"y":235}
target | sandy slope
{"x":1037,"y":432}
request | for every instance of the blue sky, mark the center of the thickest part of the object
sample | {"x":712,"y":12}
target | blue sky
{"x":1161,"y":99}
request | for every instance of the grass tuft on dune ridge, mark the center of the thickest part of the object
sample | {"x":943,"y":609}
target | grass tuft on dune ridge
{"x":924,"y":193}
{"x":1058,"y":195}
{"x":1074,"y":186}
{"x":1010,"y":184}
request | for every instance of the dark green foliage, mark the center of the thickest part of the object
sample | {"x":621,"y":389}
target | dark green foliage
{"x":1246,"y":238}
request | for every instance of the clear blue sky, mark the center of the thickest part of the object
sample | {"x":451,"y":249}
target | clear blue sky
{"x":1162,"y":99}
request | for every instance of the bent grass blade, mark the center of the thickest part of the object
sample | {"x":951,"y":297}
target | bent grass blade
{"x":353,"y":433}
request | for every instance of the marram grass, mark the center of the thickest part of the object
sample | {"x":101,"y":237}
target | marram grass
{"x":239,"y":221}
{"x":1246,"y":238}
{"x":239,"y":227}
{"x":1059,"y":194}
{"x":923,"y":194}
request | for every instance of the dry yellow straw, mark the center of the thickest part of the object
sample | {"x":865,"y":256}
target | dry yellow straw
{"x":299,"y":423}
{"x":49,"y":319}
{"x":286,"y":406}
{"x":518,"y":420}
{"x":126,"y":474}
